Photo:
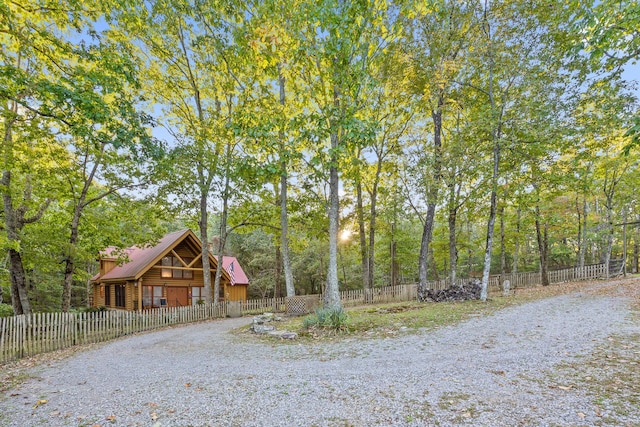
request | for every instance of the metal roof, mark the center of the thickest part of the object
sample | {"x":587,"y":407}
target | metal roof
{"x":142,"y":259}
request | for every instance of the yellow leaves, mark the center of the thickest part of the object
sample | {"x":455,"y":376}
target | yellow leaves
{"x":384,"y":31}
{"x":40,"y":402}
{"x":372,"y":49}
{"x":109,"y":98}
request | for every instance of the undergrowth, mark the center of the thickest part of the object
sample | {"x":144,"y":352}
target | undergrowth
{"x":334,"y":318}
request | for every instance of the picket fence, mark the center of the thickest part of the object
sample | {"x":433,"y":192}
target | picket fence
{"x":25,"y":336}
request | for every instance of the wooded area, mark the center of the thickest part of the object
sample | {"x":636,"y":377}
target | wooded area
{"x":328,"y":145}
{"x":28,"y":335}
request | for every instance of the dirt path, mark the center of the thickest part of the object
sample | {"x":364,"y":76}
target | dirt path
{"x":525,"y":365}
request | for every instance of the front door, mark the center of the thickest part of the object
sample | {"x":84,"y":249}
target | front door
{"x":177,"y":296}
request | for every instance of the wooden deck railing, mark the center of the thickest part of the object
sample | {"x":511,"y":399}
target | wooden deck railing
{"x":24,"y":336}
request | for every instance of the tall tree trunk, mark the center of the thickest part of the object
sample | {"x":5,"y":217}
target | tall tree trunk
{"x":469,"y":249}
{"x":203,"y":223}
{"x":284,"y":216}
{"x":607,"y":253}
{"x":503,"y":254}
{"x":331,"y":297}
{"x":543,"y":247}
{"x":14,"y":219}
{"x":70,"y":257}
{"x":81,"y":204}
{"x":453,"y":216}
{"x":496,"y":135}
{"x":372,"y":224}
{"x":223,"y":225}
{"x":19,"y":296}
{"x":610,"y":183}
{"x":580,"y":244}
{"x":582,"y":228}
{"x":492,"y":216}
{"x":427,"y":230}
{"x":489,"y":243}
{"x":392,"y":255}
{"x":516,"y":249}
{"x":362,"y":235}
{"x":636,"y":246}
{"x":277,"y":283}
{"x":13,"y":226}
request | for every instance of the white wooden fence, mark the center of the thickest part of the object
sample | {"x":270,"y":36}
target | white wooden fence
{"x":24,"y":336}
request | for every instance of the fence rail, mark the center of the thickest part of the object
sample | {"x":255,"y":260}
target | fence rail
{"x":24,"y":336}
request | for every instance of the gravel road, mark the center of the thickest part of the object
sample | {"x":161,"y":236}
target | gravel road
{"x":498,"y":370}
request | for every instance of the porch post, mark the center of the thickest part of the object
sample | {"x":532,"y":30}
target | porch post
{"x":140,"y":293}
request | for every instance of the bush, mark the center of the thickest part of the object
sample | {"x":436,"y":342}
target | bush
{"x":6,"y":310}
{"x":327,"y":318}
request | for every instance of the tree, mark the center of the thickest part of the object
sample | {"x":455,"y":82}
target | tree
{"x":342,"y":40}
{"x":438,"y":35}
{"x":612,"y":40}
{"x":193,"y":72}
{"x":70,"y":92}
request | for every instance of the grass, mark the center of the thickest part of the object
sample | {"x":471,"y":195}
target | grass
{"x":390,"y":319}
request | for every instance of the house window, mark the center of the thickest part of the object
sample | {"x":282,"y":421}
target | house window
{"x":197,"y":294}
{"x":107,"y":296}
{"x":187,"y":274}
{"x":151,"y":296}
{"x":172,"y":261}
{"x":120,"y":296}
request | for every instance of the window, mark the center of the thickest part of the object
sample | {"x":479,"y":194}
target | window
{"x":197,"y":294}
{"x":151,"y":296}
{"x":107,"y":295}
{"x":187,"y":274}
{"x":120,"y":296}
{"x":172,"y":261}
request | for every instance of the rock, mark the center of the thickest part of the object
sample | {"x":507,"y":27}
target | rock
{"x":262,"y":329}
{"x":265,"y":318}
{"x":506,"y":285}
{"x":285,"y":335}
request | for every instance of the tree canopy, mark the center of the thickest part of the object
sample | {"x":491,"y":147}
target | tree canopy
{"x":328,"y":145}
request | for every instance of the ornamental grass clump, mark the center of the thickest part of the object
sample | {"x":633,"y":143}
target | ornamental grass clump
{"x":334,"y":318}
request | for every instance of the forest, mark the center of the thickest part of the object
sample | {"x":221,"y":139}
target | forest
{"x":328,"y":145}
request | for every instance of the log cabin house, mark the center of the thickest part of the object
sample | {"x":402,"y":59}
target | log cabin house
{"x":168,"y":274}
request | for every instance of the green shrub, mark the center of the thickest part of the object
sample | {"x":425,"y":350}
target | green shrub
{"x":328,"y":318}
{"x":6,"y":310}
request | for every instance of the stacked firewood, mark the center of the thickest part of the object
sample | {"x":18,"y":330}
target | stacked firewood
{"x":468,"y":291}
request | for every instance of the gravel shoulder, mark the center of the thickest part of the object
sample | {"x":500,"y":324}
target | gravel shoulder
{"x":515,"y":367}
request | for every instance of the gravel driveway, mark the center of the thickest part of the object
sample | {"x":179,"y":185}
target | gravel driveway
{"x":498,"y":370}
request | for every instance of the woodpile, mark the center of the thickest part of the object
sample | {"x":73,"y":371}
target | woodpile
{"x":468,"y":291}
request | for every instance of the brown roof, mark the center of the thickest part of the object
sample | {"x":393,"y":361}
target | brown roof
{"x":142,"y":259}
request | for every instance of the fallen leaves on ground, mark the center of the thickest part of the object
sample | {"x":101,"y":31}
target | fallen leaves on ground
{"x":40,"y":402}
